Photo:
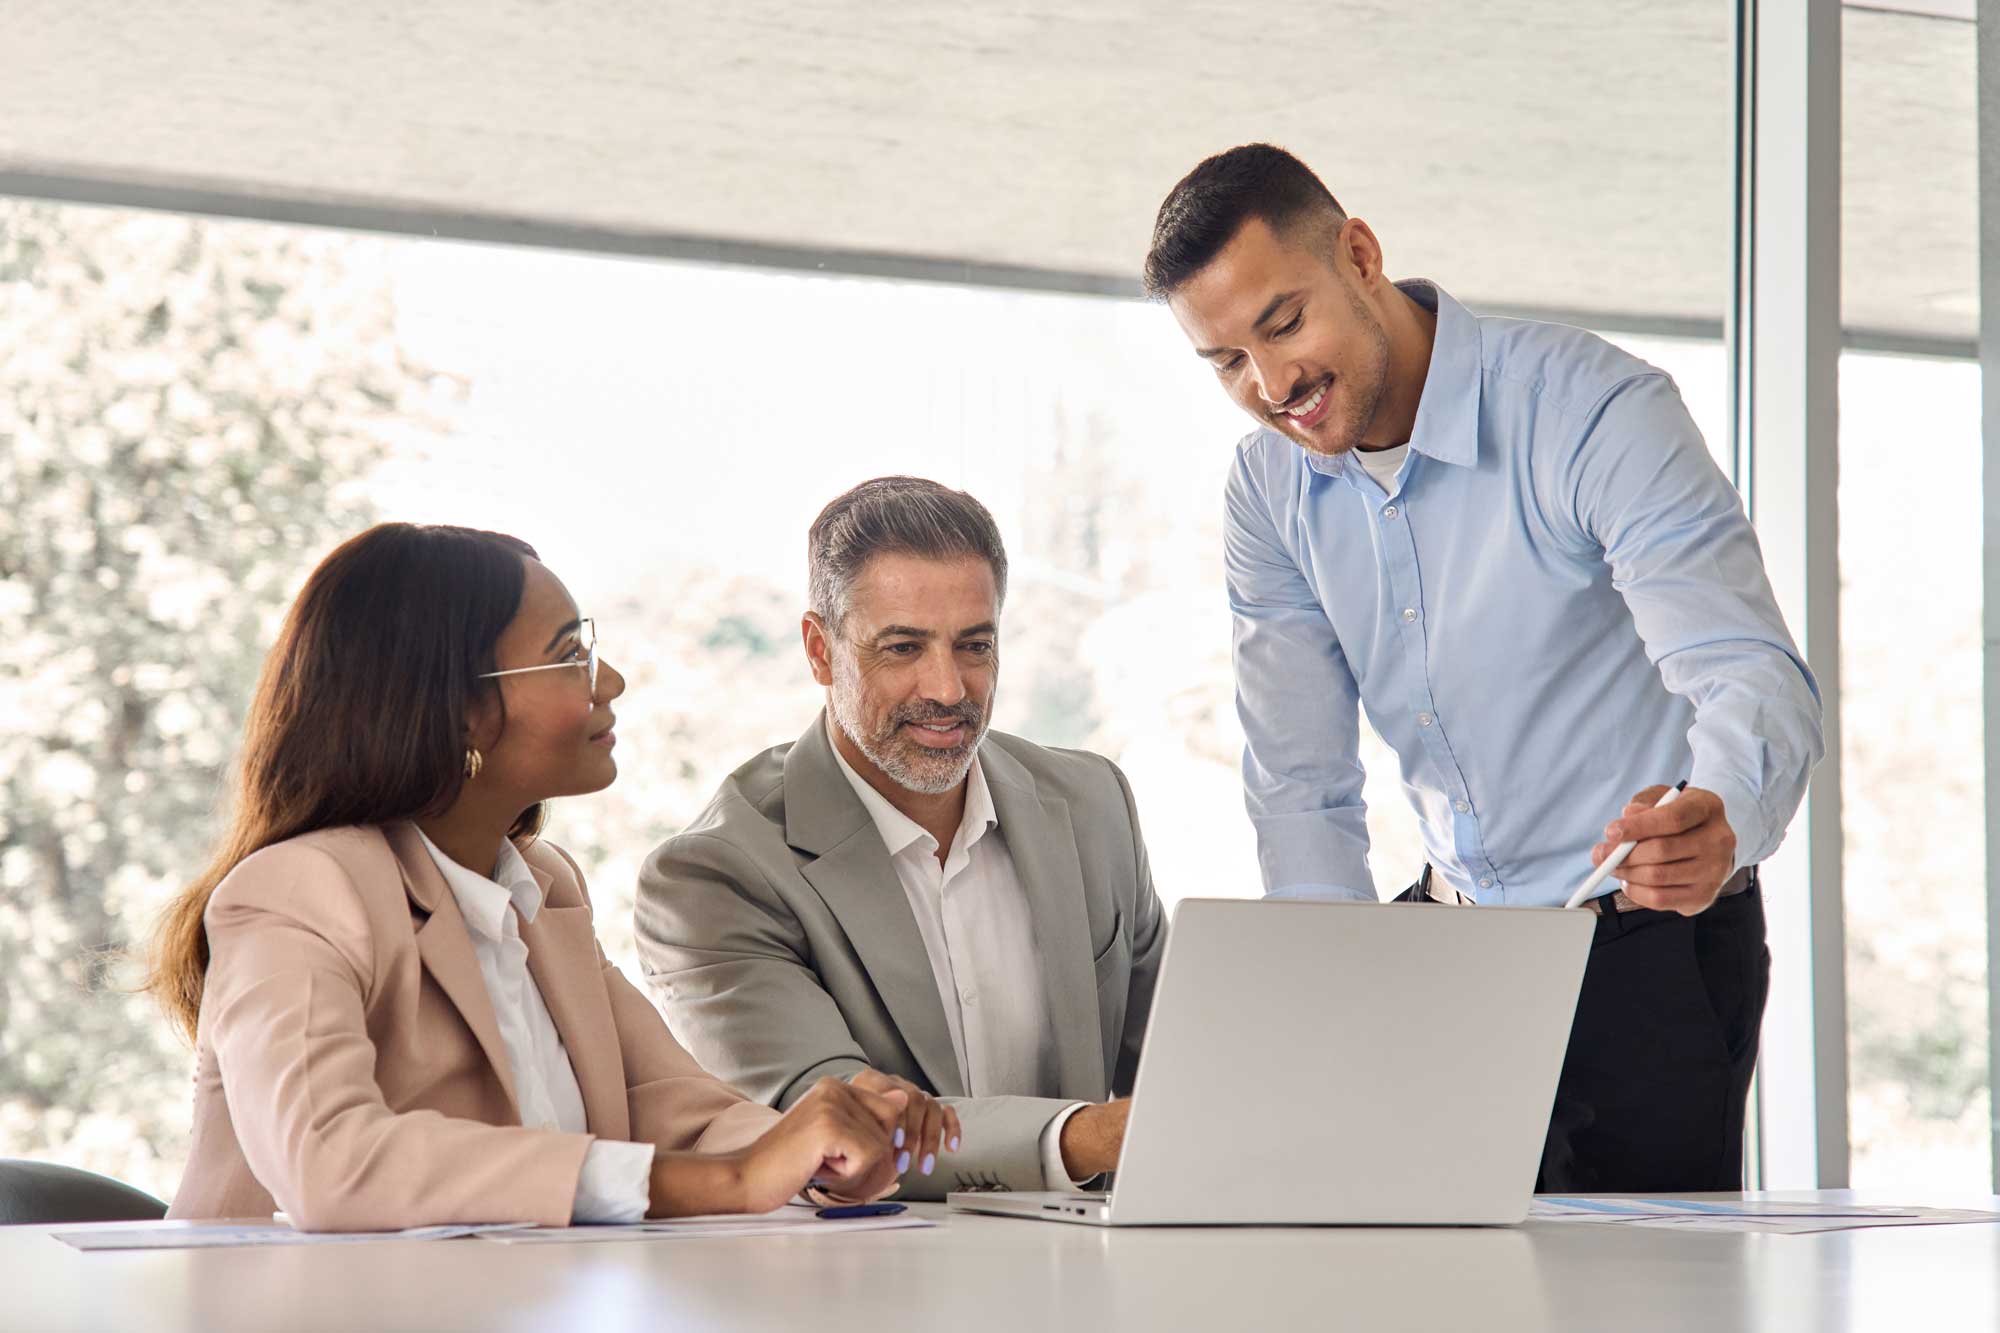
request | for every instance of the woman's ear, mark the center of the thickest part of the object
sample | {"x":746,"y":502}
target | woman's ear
{"x":483,"y":721}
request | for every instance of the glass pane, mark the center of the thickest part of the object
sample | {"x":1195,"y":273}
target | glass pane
{"x":1911,"y":611}
{"x":1912,"y":746}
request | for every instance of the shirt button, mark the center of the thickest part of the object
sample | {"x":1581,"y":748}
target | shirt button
{"x":1485,"y":883}
{"x":1425,"y":719}
{"x":1460,"y":806}
{"x":1388,"y":511}
{"x":1409,"y":614}
{"x":968,"y":996}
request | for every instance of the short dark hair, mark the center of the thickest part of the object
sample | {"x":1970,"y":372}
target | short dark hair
{"x":1212,"y":202}
{"x":900,"y":515}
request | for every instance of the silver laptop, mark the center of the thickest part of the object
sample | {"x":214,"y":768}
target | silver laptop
{"x":1340,"y":1063}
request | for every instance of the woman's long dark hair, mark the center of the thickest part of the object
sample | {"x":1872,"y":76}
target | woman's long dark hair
{"x":360,"y":711}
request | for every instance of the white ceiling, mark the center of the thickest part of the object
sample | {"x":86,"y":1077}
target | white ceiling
{"x":1527,"y":153}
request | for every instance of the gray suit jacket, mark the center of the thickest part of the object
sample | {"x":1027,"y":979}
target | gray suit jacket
{"x":777,"y":938}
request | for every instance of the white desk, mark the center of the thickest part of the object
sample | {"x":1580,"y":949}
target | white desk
{"x":974,"y":1273}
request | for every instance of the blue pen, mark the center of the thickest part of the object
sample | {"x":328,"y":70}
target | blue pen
{"x":835,"y":1212}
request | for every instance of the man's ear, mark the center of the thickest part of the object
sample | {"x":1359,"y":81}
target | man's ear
{"x":819,"y":647}
{"x":1362,"y":251}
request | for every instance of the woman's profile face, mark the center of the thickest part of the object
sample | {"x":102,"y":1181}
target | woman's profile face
{"x":555,"y":737}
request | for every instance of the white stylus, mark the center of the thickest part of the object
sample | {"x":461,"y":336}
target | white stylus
{"x":1618,"y":855}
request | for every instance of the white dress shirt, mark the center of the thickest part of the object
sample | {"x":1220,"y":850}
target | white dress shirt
{"x":977,"y":930}
{"x":616,"y":1183}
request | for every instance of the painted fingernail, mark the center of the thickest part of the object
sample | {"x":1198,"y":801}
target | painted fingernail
{"x":902,"y":1163}
{"x":954,"y":1143}
{"x":930,"y":1161}
{"x":899,"y":1136}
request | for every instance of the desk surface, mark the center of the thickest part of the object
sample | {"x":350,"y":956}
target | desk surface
{"x":973,"y":1273}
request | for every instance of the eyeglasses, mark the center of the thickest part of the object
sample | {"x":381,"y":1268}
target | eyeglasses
{"x":586,"y":634}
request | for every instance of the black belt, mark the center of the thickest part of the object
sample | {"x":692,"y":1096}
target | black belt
{"x":1740,"y":882}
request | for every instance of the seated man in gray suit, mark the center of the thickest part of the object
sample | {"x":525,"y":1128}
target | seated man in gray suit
{"x":901,"y":892}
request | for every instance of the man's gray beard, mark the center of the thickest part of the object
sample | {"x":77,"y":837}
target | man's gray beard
{"x":890,"y":757}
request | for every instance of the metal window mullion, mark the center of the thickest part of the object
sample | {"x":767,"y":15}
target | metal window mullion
{"x":1784,"y":360}
{"x":1988,"y":41}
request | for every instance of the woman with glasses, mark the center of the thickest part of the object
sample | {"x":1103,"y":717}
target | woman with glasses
{"x":400,"y":1012}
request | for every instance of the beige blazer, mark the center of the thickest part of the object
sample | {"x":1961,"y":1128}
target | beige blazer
{"x":780,"y":943}
{"x":350,"y":1068}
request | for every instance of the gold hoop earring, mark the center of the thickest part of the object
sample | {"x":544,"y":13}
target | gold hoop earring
{"x":474,"y":761}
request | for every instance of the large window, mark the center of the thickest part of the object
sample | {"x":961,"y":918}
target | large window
{"x":663,"y":433}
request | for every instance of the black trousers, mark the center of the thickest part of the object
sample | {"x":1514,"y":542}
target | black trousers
{"x":1655,"y":1081}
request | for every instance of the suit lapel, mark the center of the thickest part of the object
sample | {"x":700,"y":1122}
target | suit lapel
{"x":562,"y":958}
{"x":853,"y":875}
{"x":1042,"y":844}
{"x":445,"y":945}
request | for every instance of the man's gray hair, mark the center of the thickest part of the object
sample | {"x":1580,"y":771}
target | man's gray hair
{"x":895,"y":515}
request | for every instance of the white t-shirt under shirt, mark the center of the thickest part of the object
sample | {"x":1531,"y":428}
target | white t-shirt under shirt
{"x":1383,"y":464}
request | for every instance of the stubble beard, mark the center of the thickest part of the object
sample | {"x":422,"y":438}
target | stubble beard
{"x":1370,"y":383}
{"x":915,"y":767}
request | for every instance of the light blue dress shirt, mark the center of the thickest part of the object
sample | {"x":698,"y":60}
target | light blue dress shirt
{"x":1557,"y":603}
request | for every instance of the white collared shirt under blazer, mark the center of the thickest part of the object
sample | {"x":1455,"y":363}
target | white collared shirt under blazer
{"x":616,"y":1182}
{"x":977,"y":931}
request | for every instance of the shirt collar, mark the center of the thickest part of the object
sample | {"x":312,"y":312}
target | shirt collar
{"x":482,"y":901}
{"x":898,"y":830}
{"x":1447,"y":425}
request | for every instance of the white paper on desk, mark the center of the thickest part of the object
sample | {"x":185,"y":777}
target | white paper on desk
{"x":212,"y":1235}
{"x":1604,"y":1208}
{"x":1805,"y":1226}
{"x":781,"y":1222}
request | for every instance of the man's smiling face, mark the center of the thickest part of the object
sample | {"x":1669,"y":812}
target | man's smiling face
{"x":1290,"y":336}
{"x":915,"y":664}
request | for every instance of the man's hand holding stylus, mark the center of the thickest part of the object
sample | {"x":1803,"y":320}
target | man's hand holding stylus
{"x":1686,"y":850}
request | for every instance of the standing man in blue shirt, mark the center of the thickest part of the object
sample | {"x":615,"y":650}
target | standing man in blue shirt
{"x":1507,"y":543}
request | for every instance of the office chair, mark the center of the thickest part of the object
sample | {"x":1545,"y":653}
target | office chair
{"x":44,"y":1192}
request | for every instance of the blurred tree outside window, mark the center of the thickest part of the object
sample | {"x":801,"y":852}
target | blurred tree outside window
{"x":185,"y":408}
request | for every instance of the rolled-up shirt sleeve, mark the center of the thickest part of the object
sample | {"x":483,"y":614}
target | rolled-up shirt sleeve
{"x":1299,"y":706}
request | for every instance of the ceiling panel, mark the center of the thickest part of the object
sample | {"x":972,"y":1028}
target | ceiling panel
{"x":1526,"y":153}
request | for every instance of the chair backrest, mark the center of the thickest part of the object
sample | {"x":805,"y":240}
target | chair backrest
{"x":44,"y":1192}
